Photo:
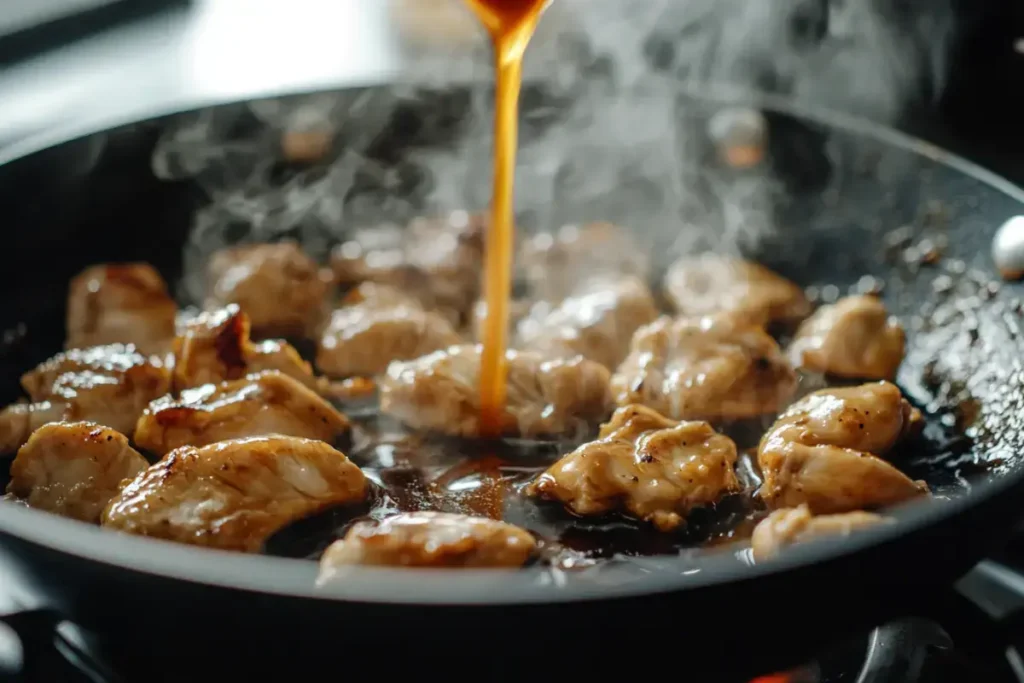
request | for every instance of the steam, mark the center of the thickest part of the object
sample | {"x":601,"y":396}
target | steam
{"x":605,"y":134}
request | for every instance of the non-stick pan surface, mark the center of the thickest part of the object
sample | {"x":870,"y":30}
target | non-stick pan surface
{"x":849,"y":201}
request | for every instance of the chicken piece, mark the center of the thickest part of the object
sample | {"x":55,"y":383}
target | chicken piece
{"x":265,"y":403}
{"x":279,"y":287}
{"x":825,"y":451}
{"x":704,"y":368}
{"x":597,"y":323}
{"x":385,"y":325}
{"x":790,"y":526}
{"x":438,"y":261}
{"x":712,"y":283}
{"x":234,"y":494}
{"x":656,"y":469}
{"x":110,"y":385}
{"x":215,"y":346}
{"x":854,"y":338}
{"x":429,"y":539}
{"x":73,"y":469}
{"x":123,"y":303}
{"x":441,"y":392}
{"x":554,"y":265}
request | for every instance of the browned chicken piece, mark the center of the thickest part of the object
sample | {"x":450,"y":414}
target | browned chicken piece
{"x":440,"y":392}
{"x":597,"y":323}
{"x":438,"y":261}
{"x":73,"y":469}
{"x":120,"y":303}
{"x":265,"y":403}
{"x":234,"y":494}
{"x":653,"y":468}
{"x":385,"y":325}
{"x":854,"y":338}
{"x":555,"y":264}
{"x":215,"y":346}
{"x":711,"y":283}
{"x":429,"y":539}
{"x":826,"y":451}
{"x":790,"y":526}
{"x":712,"y":368}
{"x":281,"y":289}
{"x":110,"y":385}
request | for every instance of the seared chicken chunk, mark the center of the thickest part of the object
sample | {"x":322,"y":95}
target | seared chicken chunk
{"x":265,"y":403}
{"x":362,"y":338}
{"x":825,"y":451}
{"x":597,"y":323}
{"x":784,"y":528}
{"x":234,"y":494}
{"x":429,"y":539}
{"x":555,"y":264}
{"x":655,"y":469}
{"x":441,"y":392}
{"x":110,"y":385}
{"x":120,"y":303}
{"x":704,"y":368}
{"x":438,"y":261}
{"x":711,"y":283}
{"x":215,"y":346}
{"x":279,"y":287}
{"x":73,"y":469}
{"x":854,"y":337}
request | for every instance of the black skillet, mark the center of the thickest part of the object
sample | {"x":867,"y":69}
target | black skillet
{"x":851,"y":200}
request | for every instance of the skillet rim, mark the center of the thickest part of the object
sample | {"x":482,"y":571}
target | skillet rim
{"x":296,"y":578}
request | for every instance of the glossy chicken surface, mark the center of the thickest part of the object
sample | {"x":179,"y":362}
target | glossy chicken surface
{"x":711,"y":284}
{"x":234,"y":494}
{"x":790,"y":526}
{"x":704,"y":368}
{"x":429,"y":539}
{"x":110,"y":385}
{"x":440,"y":393}
{"x":854,"y":338}
{"x":73,"y":469}
{"x":264,"y":403}
{"x":597,"y":323}
{"x":216,"y":346}
{"x":651,"y":467}
{"x":380,"y":326}
{"x":120,"y":304}
{"x":826,"y":451}
{"x":281,"y":289}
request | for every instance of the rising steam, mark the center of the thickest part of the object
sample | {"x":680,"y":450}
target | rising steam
{"x":605,"y":135}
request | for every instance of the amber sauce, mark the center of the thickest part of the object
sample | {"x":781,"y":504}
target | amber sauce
{"x":511,"y":24}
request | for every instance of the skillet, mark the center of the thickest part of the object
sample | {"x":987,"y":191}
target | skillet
{"x":855,"y":200}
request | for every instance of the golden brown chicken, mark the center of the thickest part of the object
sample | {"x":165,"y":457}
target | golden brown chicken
{"x":440,"y":392}
{"x":279,"y":287}
{"x":790,"y":526}
{"x":597,"y":323}
{"x":826,"y":451}
{"x":110,"y":385}
{"x":712,"y":283}
{"x":120,"y":303}
{"x":653,"y":468}
{"x":381,"y":326}
{"x":265,"y":403}
{"x":556,"y":264}
{"x":215,"y":346}
{"x":438,"y":261}
{"x":429,"y":539}
{"x":73,"y":469}
{"x":854,"y":338}
{"x":234,"y":494}
{"x":711,"y":368}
